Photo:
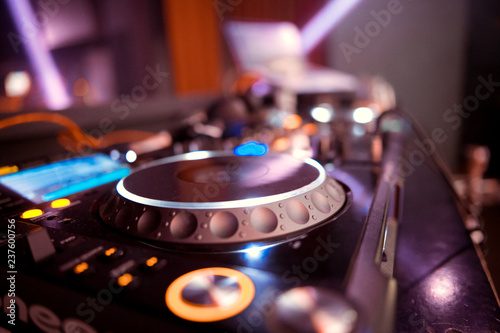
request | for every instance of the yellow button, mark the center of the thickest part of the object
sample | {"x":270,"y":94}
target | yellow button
{"x":125,"y":280}
{"x":60,"y":203}
{"x":5,"y":170}
{"x":81,"y":267}
{"x":31,"y":213}
{"x":202,"y":313}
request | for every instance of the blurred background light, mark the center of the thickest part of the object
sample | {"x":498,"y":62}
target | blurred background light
{"x":363,"y":115}
{"x":322,"y":113}
{"x":17,"y":84}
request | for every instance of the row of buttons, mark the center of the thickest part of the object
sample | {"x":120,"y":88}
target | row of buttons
{"x":223,"y":225}
{"x":126,"y":279}
{"x":35,"y":212}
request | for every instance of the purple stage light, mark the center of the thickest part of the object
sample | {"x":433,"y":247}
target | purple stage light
{"x":41,"y":60}
{"x":325,"y":20}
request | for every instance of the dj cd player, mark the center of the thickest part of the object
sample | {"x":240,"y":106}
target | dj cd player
{"x":214,"y":242}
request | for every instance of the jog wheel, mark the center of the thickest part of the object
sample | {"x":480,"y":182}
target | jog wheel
{"x":213,"y":198}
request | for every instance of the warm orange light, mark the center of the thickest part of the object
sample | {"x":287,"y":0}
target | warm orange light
{"x":5,"y":170}
{"x":151,"y":261}
{"x":125,"y":280}
{"x":110,"y":251}
{"x":193,"y":312}
{"x":81,"y":87}
{"x":81,"y":267}
{"x":31,"y":213}
{"x":310,"y":129}
{"x":292,"y":121}
{"x":281,"y":144}
{"x":60,"y":203}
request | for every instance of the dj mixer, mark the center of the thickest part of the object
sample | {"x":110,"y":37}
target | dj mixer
{"x":223,"y":242}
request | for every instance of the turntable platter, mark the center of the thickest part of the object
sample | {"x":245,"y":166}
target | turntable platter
{"x":216,"y":198}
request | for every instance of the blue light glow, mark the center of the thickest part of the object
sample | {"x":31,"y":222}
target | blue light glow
{"x":255,"y":252}
{"x":87,"y":184}
{"x":251,"y":148}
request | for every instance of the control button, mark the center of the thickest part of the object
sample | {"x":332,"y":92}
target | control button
{"x":8,"y":169}
{"x":153,"y":264}
{"x":123,"y":217}
{"x":59,"y":203}
{"x":112,"y":253}
{"x":151,"y":261}
{"x":29,"y":214}
{"x":81,"y":268}
{"x":107,"y":209}
{"x":224,"y":224}
{"x":264,"y":220}
{"x":210,"y":294}
{"x":148,"y":221}
{"x":125,"y":280}
{"x":311,"y":309}
{"x":297,"y":211}
{"x":334,"y":193}
{"x":183,"y":225}
{"x":320,"y":202}
{"x":40,"y":244}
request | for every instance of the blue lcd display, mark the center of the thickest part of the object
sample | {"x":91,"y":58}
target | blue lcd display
{"x":59,"y":179}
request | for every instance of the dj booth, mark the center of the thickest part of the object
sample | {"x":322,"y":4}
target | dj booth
{"x":294,"y":205}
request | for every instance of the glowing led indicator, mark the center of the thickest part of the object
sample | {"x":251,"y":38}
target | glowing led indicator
{"x":131,"y":156}
{"x":81,"y":267}
{"x":125,"y":280}
{"x":251,"y":148}
{"x":151,"y":261}
{"x":5,"y":170}
{"x":31,"y":213}
{"x":363,"y":115}
{"x":110,"y":251}
{"x":59,"y":203}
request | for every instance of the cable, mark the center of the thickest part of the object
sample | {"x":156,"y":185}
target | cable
{"x":74,"y":130}
{"x":74,"y":137}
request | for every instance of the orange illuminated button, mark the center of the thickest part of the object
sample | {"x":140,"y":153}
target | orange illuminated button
{"x":31,"y":213}
{"x":153,"y":264}
{"x":59,"y":203}
{"x":125,"y":279}
{"x":210,"y":294}
{"x":81,"y":267}
{"x":109,"y":252}
{"x":151,"y":261}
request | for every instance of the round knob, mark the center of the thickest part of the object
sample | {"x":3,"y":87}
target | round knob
{"x":311,"y":309}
